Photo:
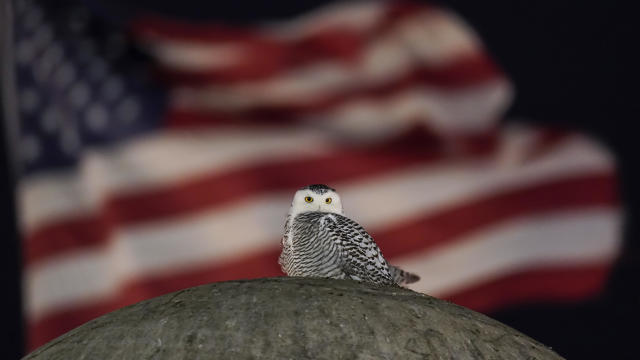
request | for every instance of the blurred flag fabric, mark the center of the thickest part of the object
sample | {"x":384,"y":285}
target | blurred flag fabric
{"x":164,"y":154}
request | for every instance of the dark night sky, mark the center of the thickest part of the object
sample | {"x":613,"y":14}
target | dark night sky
{"x":571,"y":64}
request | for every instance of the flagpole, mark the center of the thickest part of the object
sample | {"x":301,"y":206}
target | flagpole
{"x":9,"y":98}
{"x":13,"y":324}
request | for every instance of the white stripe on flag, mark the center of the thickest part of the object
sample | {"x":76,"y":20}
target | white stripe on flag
{"x":192,"y":56}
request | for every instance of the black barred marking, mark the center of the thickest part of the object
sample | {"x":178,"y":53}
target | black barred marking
{"x":331,"y":245}
{"x":318,"y":244}
{"x":318,"y":188}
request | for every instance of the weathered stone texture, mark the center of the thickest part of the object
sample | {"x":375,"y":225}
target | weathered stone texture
{"x":293,"y":318}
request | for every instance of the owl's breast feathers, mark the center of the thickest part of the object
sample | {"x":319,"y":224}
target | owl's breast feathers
{"x":332,"y":245}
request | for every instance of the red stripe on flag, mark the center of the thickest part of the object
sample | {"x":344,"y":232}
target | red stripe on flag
{"x":554,"y":284}
{"x":534,"y":285}
{"x":466,"y":70}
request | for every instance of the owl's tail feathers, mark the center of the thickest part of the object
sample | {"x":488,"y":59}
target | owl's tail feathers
{"x":402,"y":277}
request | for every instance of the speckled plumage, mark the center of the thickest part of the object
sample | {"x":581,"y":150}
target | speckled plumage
{"x":323,"y":242}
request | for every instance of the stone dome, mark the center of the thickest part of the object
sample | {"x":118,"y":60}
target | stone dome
{"x":293,"y":318}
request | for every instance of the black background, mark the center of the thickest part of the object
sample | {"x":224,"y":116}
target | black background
{"x":572,"y":65}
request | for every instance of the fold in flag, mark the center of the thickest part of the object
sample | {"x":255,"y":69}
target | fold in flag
{"x":164,"y":155}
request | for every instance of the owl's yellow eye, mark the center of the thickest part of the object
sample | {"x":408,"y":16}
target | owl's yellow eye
{"x":308,"y":199}
{"x":327,"y":200}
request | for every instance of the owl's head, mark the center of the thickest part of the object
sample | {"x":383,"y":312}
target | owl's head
{"x":316,"y":197}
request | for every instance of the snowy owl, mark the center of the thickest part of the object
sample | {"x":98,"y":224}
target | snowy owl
{"x":319,"y":241}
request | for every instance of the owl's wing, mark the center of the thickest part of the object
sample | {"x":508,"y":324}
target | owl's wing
{"x":360,"y":257}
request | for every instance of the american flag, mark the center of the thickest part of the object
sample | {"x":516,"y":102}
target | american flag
{"x":164,"y":154}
